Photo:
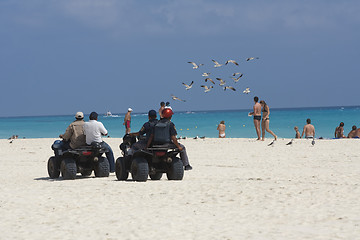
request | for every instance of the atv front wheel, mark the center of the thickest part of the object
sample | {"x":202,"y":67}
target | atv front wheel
{"x":102,"y":167}
{"x":120,"y":169}
{"x":68,"y":169}
{"x":53,"y":167}
{"x":139,"y":170}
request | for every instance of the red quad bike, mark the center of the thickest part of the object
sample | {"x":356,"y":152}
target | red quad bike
{"x":153,"y":162}
{"x":81,"y":160}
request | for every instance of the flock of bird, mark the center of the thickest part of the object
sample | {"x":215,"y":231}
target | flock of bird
{"x":207,"y":88}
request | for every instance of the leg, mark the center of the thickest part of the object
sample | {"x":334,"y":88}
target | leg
{"x":268,"y":130}
{"x":263,"y":129}
{"x":257,"y":128}
{"x":184,"y":158}
{"x":109,"y":155}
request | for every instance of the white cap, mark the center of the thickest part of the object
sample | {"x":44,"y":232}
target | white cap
{"x":79,"y":115}
{"x":130,"y":110}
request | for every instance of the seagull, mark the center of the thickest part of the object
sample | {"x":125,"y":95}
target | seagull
{"x":272,"y":143}
{"x":205,"y":74}
{"x":207,"y":89}
{"x":291,"y":141}
{"x":246,"y":91}
{"x":188,"y":86}
{"x":217,"y":64}
{"x":222,"y":82}
{"x":229,"y":87}
{"x":232,"y":61}
{"x":195,"y":66}
{"x":313,"y":142}
{"x":234,"y":74}
{"x":251,"y":58}
{"x":238,"y":78}
{"x":209,"y":79}
{"x":176,"y":98}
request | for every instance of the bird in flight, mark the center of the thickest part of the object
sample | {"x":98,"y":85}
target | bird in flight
{"x":234,"y":74}
{"x":246,"y":91}
{"x":195,"y":66}
{"x":207,"y":89}
{"x":209,"y":79}
{"x":229,"y":87}
{"x":222,"y":82}
{"x":238,"y":78}
{"x":176,"y":98}
{"x":217,"y":64}
{"x":232,"y":61}
{"x":188,"y":86}
{"x":205,"y":74}
{"x":251,"y":58}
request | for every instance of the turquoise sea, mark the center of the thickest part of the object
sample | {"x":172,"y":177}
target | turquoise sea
{"x":197,"y":123}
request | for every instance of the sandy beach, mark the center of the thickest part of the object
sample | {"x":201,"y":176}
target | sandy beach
{"x":238,"y":189}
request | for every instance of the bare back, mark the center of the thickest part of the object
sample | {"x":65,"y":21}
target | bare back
{"x":257,"y":109}
{"x":309,"y":130}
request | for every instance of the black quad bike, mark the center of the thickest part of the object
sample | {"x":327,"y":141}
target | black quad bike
{"x":153,"y":162}
{"x":81,"y":160}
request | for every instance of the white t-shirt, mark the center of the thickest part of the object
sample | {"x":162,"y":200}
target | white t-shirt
{"x":93,"y":131}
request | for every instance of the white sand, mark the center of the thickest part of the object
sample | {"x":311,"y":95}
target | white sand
{"x":238,"y":189}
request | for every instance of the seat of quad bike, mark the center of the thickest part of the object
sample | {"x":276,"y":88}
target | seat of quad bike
{"x":164,"y":146}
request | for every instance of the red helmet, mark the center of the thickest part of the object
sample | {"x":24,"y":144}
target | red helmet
{"x":167,"y":112}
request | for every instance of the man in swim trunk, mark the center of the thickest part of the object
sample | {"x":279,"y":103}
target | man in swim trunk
{"x":257,"y":116}
{"x":127,"y":120}
{"x":309,"y":130}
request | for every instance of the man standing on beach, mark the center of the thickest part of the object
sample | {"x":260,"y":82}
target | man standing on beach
{"x":93,"y":131}
{"x":257,"y":116}
{"x":127,"y":120}
{"x":309,"y":130}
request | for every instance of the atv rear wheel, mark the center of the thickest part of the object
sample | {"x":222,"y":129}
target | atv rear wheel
{"x":53,"y":167}
{"x":102,"y":167}
{"x":139,"y":170}
{"x":86,"y":172}
{"x":120,"y":169}
{"x":176,"y":170}
{"x":68,"y":169}
{"x":156,"y":176}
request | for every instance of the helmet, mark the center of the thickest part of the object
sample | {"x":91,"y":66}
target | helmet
{"x":167,"y":112}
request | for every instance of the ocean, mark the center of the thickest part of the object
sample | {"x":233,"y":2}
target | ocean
{"x":197,"y":123}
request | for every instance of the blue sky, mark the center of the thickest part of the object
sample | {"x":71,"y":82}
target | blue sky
{"x":59,"y":57}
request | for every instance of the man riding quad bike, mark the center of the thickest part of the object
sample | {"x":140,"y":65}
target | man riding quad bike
{"x":82,"y":160}
{"x":158,"y":156}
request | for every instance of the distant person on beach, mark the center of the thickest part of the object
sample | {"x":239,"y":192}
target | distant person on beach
{"x":309,"y":129}
{"x":93,"y":131}
{"x":297,"y":133}
{"x":161,"y":134}
{"x":265,"y":120}
{"x":74,"y":136}
{"x":162,"y":106}
{"x":221,"y":127}
{"x":354,"y":133}
{"x":127,"y":121}
{"x":257,"y":116}
{"x":339,"y":131}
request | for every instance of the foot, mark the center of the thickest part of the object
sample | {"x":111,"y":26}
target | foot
{"x":188,"y":167}
{"x":275,"y":137}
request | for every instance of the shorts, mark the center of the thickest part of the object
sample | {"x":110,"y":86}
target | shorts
{"x":257,"y":118}
{"x":127,"y":124}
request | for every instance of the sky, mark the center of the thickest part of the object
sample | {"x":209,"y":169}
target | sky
{"x":58,"y":57}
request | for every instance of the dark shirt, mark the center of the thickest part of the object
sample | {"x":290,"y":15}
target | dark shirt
{"x":172,"y":128}
{"x":147,"y":128}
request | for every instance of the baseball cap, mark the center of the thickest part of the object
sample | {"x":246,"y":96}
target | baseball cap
{"x":79,"y":115}
{"x":130,"y":110}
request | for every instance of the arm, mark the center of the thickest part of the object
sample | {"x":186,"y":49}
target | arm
{"x":67,"y":135}
{"x":302,"y":133}
{"x":173,"y":138}
{"x":150,"y":140}
{"x":103,"y":130}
